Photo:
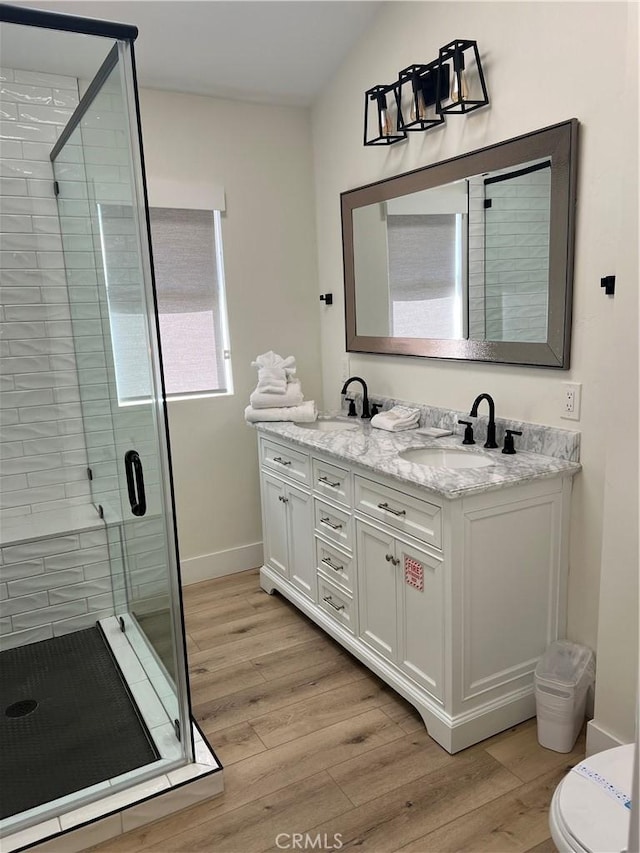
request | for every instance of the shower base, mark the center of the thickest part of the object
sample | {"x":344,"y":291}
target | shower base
{"x":67,"y":721}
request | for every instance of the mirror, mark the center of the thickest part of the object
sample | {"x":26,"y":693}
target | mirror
{"x":471,"y":258}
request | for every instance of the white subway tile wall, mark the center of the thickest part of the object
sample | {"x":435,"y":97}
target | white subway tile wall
{"x":476,"y":258}
{"x":54,"y":585}
{"x":40,"y":409}
{"x":509,"y":258}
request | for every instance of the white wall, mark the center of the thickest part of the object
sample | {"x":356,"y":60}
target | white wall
{"x":371,"y":263}
{"x":543,"y":64}
{"x":261,"y":155}
{"x":615,"y":708}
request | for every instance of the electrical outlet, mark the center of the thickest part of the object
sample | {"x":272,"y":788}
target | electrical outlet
{"x":571,"y":399}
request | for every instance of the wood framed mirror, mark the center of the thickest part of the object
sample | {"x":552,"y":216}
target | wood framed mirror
{"x":468,"y":259}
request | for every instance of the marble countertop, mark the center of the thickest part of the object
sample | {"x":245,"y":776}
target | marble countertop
{"x":377,"y":450}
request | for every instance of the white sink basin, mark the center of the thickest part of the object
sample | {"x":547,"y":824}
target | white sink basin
{"x":328,"y":426}
{"x":440,"y":457}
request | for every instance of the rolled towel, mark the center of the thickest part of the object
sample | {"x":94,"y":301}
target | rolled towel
{"x":397,"y":419}
{"x":304,"y":414}
{"x":273,"y":360}
{"x":292,"y":397}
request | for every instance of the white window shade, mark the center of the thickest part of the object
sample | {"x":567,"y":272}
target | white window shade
{"x":424,"y":275}
{"x":187,"y":257}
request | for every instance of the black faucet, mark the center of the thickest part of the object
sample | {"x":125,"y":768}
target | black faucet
{"x":365,"y":394}
{"x":491,"y":426}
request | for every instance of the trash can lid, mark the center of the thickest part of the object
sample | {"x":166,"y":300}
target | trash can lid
{"x":564,"y":663}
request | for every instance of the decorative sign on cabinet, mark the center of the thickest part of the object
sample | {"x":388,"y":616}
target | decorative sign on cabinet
{"x":451,"y":602}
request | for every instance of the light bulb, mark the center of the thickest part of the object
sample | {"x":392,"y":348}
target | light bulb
{"x":460,"y":86}
{"x":418,"y":106}
{"x":385,"y":122}
{"x":386,"y":127}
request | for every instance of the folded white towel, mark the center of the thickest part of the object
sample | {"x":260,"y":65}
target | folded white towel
{"x":273,"y":360}
{"x":392,"y":426}
{"x":292,"y":397}
{"x":397,"y":419}
{"x":304,"y":414}
{"x":272,"y":380}
{"x":272,"y":389}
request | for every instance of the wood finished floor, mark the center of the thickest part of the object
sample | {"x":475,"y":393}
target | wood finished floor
{"x":312,"y":742}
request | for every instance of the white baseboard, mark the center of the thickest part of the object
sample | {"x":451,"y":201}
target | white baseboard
{"x":221,"y":563}
{"x":599,"y":739}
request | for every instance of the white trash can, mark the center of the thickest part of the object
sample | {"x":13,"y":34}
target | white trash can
{"x":562,"y":678}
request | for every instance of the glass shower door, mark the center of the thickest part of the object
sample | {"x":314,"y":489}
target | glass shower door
{"x":105,"y":243}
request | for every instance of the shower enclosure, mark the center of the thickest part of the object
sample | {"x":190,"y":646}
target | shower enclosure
{"x":93,"y":678}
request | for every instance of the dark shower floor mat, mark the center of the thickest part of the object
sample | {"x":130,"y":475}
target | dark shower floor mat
{"x":66,"y":721}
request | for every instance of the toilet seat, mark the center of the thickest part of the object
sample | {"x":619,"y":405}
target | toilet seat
{"x":585,"y":817}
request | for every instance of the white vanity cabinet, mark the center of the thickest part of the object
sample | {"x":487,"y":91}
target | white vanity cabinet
{"x":401,"y":604}
{"x":450,"y":601}
{"x":288,"y":547}
{"x":334,"y":535}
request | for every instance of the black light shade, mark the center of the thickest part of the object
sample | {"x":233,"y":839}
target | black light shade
{"x":468,"y":90}
{"x":422,"y":88}
{"x":381,"y":116}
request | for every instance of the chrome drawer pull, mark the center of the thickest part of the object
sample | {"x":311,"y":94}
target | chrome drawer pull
{"x":281,"y":461}
{"x":328,"y":562}
{"x":331,"y":604}
{"x":327,"y":521}
{"x":387,"y":508}
{"x":327,"y":482}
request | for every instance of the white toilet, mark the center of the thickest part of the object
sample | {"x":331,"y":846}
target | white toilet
{"x":590,"y":810}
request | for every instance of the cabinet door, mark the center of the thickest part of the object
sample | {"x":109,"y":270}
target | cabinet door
{"x":275,"y":524}
{"x":420,"y":620}
{"x":302,"y":568}
{"x":377,"y":590}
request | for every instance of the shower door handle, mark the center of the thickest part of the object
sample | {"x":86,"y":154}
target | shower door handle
{"x":135,"y":482}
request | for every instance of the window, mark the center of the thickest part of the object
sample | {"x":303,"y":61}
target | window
{"x":426,"y":275}
{"x":187,"y":256}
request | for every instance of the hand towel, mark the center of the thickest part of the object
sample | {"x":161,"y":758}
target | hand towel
{"x":304,"y":414}
{"x":292,"y":396}
{"x":397,"y":419}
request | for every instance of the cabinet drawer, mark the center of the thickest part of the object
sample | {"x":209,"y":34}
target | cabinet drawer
{"x":332,"y":481}
{"x":284,"y":460}
{"x":333,"y":523}
{"x":411,"y":515}
{"x":334,"y":564}
{"x":337,"y":603}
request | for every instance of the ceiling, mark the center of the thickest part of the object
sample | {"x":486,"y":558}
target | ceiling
{"x":268,"y":51}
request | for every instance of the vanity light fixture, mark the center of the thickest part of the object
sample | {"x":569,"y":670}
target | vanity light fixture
{"x":381,"y":115}
{"x":423,"y":94}
{"x":468,"y":90}
{"x":422,"y":88}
